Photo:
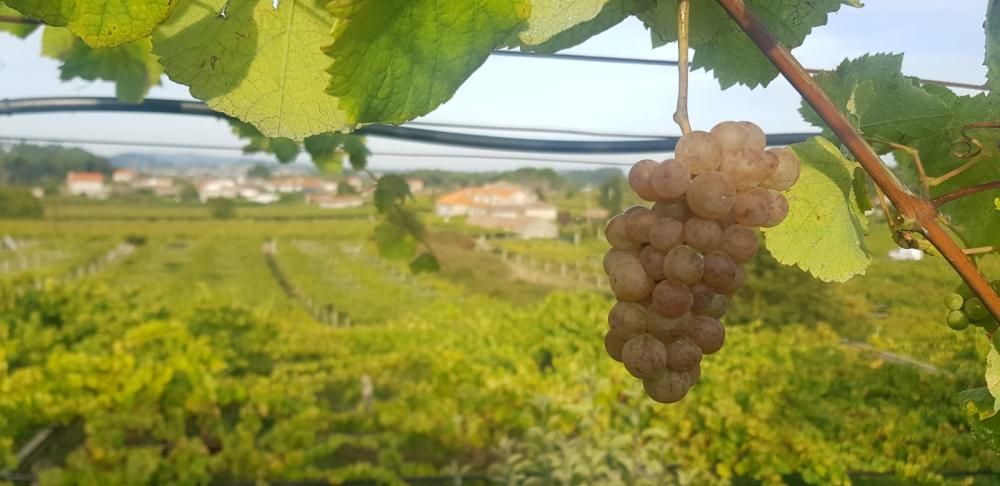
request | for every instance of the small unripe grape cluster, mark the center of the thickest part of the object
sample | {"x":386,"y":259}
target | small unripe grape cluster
{"x":674,"y":266}
{"x":964,"y":308}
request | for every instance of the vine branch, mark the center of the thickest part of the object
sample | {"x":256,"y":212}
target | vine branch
{"x":683,"y":33}
{"x":965,"y":191}
{"x":9,"y":19}
{"x":911,"y":207}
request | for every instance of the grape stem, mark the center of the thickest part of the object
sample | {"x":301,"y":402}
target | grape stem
{"x":981,"y":250}
{"x":683,"y":33}
{"x":965,"y":191}
{"x":911,"y":207}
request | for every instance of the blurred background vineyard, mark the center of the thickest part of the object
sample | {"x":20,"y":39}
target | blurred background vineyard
{"x":151,"y":337}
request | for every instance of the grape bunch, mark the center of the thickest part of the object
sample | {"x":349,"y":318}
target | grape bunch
{"x":674,"y":266}
{"x":964,"y":308}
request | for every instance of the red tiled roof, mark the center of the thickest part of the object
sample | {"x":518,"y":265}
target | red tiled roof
{"x":84,"y":177}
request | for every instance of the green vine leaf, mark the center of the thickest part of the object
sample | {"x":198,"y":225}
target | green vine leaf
{"x":15,"y":29}
{"x":425,"y":263}
{"x":100,"y":23}
{"x":257,"y":63}
{"x":993,"y":373}
{"x":721,"y":47}
{"x":992,"y":63}
{"x":611,"y":14}
{"x":889,"y":106}
{"x":394,"y":60}
{"x":825,"y":228}
{"x":390,"y":191}
{"x":132,"y":67}
{"x":394,"y":242}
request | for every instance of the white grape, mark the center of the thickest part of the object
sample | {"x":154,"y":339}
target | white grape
{"x":628,"y":317}
{"x":629,"y":281}
{"x":614,"y":342}
{"x":652,"y":261}
{"x":683,"y":354}
{"x":664,"y":328}
{"x":669,"y":387}
{"x":704,"y":235}
{"x":672,"y":299}
{"x":752,"y":208}
{"x":777,"y":209}
{"x":639,"y":177}
{"x":638,"y":222}
{"x":617,"y":234}
{"x":708,"y":333}
{"x":740,"y":243}
{"x":684,"y":264}
{"x":711,"y":195}
{"x":722,"y":273}
{"x":700,"y":151}
{"x":666,"y":233}
{"x":614,"y":255}
{"x":644,"y":356}
{"x":786,"y":173}
{"x":707,"y":302}
{"x":670,"y":179}
{"x":673,"y":209}
{"x":748,"y":167}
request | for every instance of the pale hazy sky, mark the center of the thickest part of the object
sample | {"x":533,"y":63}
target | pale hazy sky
{"x":941,"y":40}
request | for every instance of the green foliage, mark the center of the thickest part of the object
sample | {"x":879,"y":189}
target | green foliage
{"x":16,"y":29}
{"x":258,"y":63}
{"x":885,"y":105}
{"x":33,"y":164}
{"x":722,"y":47}
{"x":824,"y":231}
{"x":260,"y":171}
{"x":100,"y":23}
{"x":395,"y":60}
{"x":425,"y":263}
{"x":18,"y":202}
{"x":131,"y":66}
{"x":325,"y":149}
{"x":611,"y":194}
{"x":992,"y":28}
{"x":222,"y":208}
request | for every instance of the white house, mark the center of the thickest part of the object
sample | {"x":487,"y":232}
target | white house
{"x":501,"y":206}
{"x":123,"y":176}
{"x":90,"y":184}
{"x":332,"y":201}
{"x":216,"y":188}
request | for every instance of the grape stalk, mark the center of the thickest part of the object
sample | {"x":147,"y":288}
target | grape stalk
{"x":674,"y":266}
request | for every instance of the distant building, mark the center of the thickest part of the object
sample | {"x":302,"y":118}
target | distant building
{"x":416,"y":185}
{"x":293,"y":184}
{"x":331,"y":201}
{"x":501,"y":206}
{"x":123,"y":176}
{"x":90,"y":184}
{"x":216,"y":188}
{"x":159,"y":185}
{"x":355,"y":182}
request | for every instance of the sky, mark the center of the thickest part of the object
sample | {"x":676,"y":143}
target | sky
{"x":941,"y":40}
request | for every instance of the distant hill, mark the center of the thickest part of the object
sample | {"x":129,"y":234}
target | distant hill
{"x":141,"y":160}
{"x":46,"y":165}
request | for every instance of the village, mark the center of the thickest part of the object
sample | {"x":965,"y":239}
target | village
{"x":500,"y":206}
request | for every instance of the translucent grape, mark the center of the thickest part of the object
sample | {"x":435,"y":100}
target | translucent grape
{"x":664,"y":328}
{"x":617,"y":234}
{"x":748,"y":167}
{"x":614,"y":342}
{"x":733,"y":136}
{"x":957,"y":320}
{"x":670,"y":387}
{"x":683,"y":354}
{"x":708,"y":302}
{"x":670,"y":179}
{"x":673,"y":209}
{"x":953,"y":301}
{"x":638,"y":222}
{"x":704,"y":235}
{"x":756,"y":139}
{"x":614,"y":255}
{"x":672,"y":299}
{"x":644,"y":356}
{"x":684,"y":264}
{"x":639,"y":177}
{"x":711,"y":195}
{"x":708,"y":333}
{"x":787,"y":171}
{"x":628,"y":317}
{"x":777,"y":208}
{"x":652,"y":261}
{"x":740,"y":243}
{"x":700,"y":151}
{"x":722,"y":273}
{"x":629,"y":281}
{"x":752,"y":208}
{"x":666,"y":233}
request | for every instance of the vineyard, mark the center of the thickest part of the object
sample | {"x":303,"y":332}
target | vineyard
{"x":186,"y":361}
